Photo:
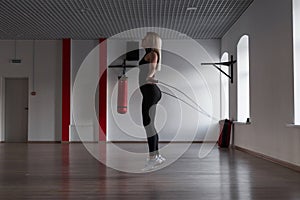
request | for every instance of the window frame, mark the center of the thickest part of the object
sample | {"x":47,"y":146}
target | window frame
{"x":243,"y":86}
{"x":224,"y":89}
{"x":296,"y":59}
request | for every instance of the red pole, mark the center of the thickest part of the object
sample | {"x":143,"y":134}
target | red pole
{"x":66,"y":88}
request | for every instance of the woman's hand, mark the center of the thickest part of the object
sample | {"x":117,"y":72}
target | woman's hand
{"x":151,"y":80}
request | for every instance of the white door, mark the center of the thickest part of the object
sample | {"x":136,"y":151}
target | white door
{"x":16,"y":109}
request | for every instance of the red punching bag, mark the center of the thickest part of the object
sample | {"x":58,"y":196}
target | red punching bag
{"x":122,"y":94}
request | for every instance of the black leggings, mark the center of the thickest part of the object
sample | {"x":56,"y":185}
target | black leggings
{"x":151,"y":95}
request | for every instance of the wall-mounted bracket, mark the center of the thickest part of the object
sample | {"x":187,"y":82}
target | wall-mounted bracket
{"x":228,"y":64}
{"x":124,"y":66}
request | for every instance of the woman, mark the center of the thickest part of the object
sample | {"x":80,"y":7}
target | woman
{"x":151,"y":93}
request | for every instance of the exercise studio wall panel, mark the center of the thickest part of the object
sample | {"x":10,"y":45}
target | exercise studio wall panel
{"x":44,"y":118}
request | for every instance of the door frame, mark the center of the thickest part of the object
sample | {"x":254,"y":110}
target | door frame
{"x":2,"y":106}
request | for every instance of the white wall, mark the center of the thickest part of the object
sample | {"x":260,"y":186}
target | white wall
{"x":269,"y":26}
{"x":44,"y":122}
{"x":179,"y":73}
{"x":80,"y":49}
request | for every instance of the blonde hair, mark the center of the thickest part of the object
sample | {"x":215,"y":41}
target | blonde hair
{"x":154,"y":42}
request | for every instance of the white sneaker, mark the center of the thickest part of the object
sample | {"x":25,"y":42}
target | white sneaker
{"x":152,"y":163}
{"x":162,"y":158}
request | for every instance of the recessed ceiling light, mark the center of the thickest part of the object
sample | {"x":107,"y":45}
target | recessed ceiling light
{"x":191,"y":8}
{"x":84,"y":10}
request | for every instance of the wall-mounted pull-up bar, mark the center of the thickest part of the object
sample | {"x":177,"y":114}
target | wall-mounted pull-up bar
{"x":124,"y":66}
{"x":228,"y":64}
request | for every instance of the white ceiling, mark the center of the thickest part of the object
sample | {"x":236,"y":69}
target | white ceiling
{"x":91,"y":19}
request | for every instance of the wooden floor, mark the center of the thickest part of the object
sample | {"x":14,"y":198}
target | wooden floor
{"x":68,"y":171}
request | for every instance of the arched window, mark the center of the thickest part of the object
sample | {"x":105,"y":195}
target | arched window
{"x":243,"y":85}
{"x":225,"y":88}
{"x":296,"y":41}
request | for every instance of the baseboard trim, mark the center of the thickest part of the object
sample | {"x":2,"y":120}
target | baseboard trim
{"x":32,"y":142}
{"x":43,"y":142}
{"x":140,"y":142}
{"x":268,"y":158}
{"x":133,"y":142}
{"x":77,"y":142}
{"x":163,"y":142}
